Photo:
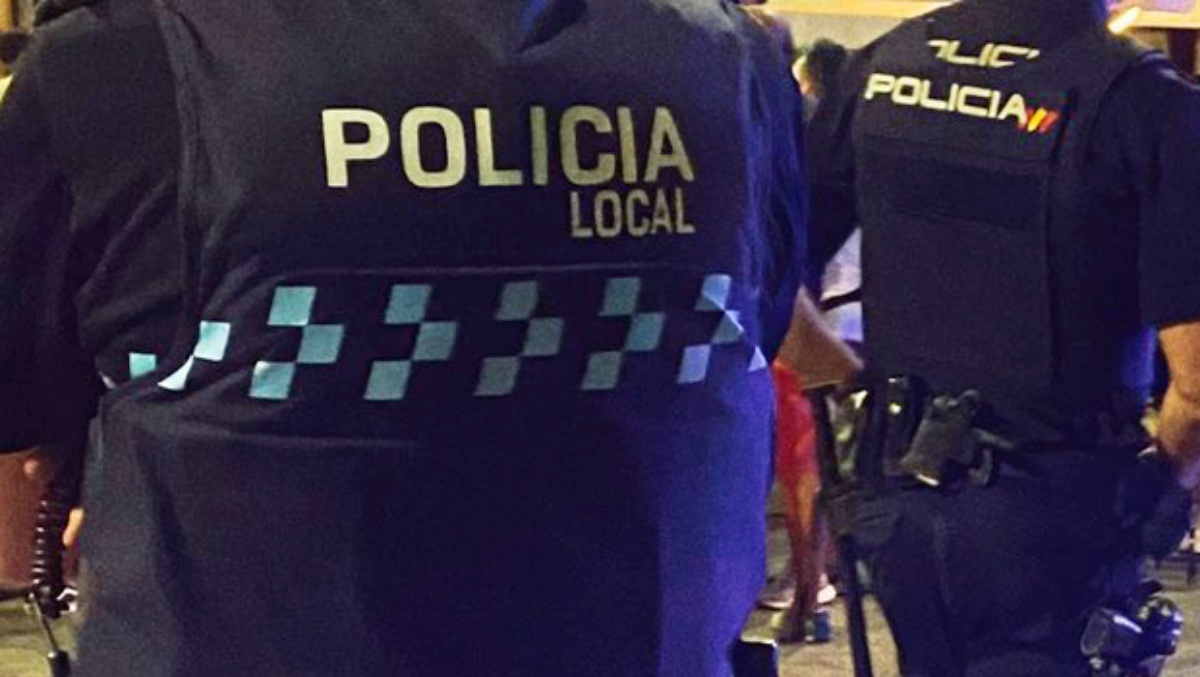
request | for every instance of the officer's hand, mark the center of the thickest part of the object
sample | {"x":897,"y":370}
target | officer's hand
{"x":39,"y":470}
{"x":18,"y":514}
{"x":813,"y":351}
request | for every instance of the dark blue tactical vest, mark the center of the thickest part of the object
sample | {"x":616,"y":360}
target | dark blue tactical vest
{"x":987,"y":262}
{"x":473,"y":378}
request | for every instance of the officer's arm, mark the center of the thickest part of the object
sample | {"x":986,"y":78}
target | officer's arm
{"x":1161,"y":147}
{"x":44,"y":397}
{"x":812,"y":351}
{"x":1179,"y":420}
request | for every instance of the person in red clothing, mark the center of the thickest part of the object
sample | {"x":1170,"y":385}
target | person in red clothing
{"x":799,"y":477}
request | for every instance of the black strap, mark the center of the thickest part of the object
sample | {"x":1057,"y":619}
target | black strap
{"x":840,"y":300}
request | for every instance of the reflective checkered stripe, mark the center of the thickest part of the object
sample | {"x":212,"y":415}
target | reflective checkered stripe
{"x":587,"y":331}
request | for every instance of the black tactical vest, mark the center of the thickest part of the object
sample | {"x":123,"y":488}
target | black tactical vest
{"x":472,"y":378}
{"x":983,"y":259}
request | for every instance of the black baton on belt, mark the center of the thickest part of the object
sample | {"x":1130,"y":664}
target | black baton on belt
{"x":839,"y":500}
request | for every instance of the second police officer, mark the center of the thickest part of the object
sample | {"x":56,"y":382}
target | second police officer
{"x":1027,"y":187}
{"x":472,"y":371}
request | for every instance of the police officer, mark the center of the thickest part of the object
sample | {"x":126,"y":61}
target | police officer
{"x":478,"y":303}
{"x":1027,"y":186}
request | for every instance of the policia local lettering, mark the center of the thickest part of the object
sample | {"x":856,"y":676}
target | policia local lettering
{"x":651,"y":209}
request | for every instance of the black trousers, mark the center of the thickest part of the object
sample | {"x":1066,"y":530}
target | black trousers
{"x":999,"y":581}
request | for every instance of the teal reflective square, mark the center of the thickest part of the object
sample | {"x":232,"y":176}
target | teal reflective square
{"x":435,"y":341}
{"x":272,"y":380}
{"x":408,"y":304}
{"x":498,"y":377}
{"x":212,"y":341}
{"x":321,"y":344}
{"x":388,"y":381}
{"x":292,"y":306}
{"x":621,"y":297}
{"x":645,"y":332}
{"x":141,"y":364}
{"x":544,"y":338}
{"x":518,"y":301}
{"x":603,"y":371}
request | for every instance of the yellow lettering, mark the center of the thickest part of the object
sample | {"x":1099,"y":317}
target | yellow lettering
{"x":629,"y":158}
{"x":608,"y":214}
{"x":667,"y":149}
{"x":485,"y":155}
{"x":455,"y":149}
{"x":606,"y":164}
{"x":339,"y":152}
{"x":662,"y":213}
{"x":540,"y":146}
{"x":635,"y":205}
{"x":681,"y":224}
{"x":578,"y":230}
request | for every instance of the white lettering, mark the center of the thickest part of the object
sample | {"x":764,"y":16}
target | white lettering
{"x":991,"y":55}
{"x":880,"y":83}
{"x":974,"y":110}
{"x":931,"y":102}
{"x":908,"y":92}
{"x":1015,"y":108}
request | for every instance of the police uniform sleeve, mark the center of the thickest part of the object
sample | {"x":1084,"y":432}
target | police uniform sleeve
{"x":1163,"y":151}
{"x":787,"y":218}
{"x":47,"y":388}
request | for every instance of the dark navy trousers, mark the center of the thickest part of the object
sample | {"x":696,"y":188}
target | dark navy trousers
{"x":999,"y":581}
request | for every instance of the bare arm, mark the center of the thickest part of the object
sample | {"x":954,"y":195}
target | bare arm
{"x":812,"y":351}
{"x":1179,"y":421}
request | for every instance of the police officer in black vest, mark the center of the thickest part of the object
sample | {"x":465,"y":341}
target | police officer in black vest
{"x":477,"y":307}
{"x":1028,"y":186}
